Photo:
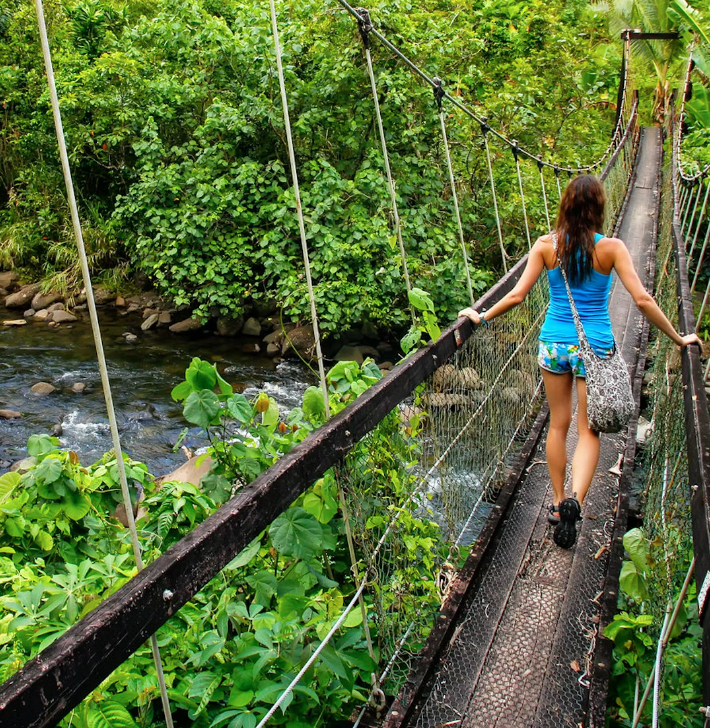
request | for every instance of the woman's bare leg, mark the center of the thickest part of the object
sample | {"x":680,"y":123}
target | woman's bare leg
{"x":586,"y":456}
{"x":558,"y":388}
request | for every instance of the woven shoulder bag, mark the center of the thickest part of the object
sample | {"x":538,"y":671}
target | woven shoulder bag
{"x":610,"y":400}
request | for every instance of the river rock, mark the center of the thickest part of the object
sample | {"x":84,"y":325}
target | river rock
{"x":190,"y":324}
{"x":132,"y":307}
{"x":369,"y":331}
{"x":120,"y":301}
{"x":251,"y":348}
{"x":302,"y":340}
{"x":227,"y":326}
{"x":4,"y":293}
{"x":165,"y":318}
{"x":148,"y":312}
{"x":150,"y":322}
{"x":14,"y":322}
{"x":78,"y":387}
{"x":349,"y":353}
{"x":130,"y":338}
{"x":42,"y":388}
{"x":23,"y":297}
{"x":263,"y":307}
{"x":42,"y":315}
{"x":272,"y":350}
{"x":29,"y":313}
{"x":251,"y":327}
{"x":43,"y":300}
{"x":23,"y":466}
{"x":63,"y":317}
{"x":190,"y":472}
{"x":8,"y":280}
{"x":368,"y":351}
{"x":7,"y":414}
{"x":102,"y":296}
{"x":51,"y":323}
{"x":275,"y":337}
{"x":59,"y":306}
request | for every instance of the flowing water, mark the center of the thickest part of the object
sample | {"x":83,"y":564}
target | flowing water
{"x":142,"y":376}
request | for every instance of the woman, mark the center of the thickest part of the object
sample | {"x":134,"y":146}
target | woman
{"x":588,"y":259}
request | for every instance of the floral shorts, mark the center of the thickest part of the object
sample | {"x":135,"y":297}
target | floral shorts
{"x":563,"y":358}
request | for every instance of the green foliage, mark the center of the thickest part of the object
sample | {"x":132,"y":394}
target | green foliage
{"x":635,"y":635}
{"x":174,"y":127}
{"x":424,"y":321}
{"x":230,"y":652}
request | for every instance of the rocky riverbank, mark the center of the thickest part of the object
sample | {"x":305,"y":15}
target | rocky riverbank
{"x":261,"y":322}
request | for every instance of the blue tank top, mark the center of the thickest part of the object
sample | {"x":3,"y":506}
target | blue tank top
{"x":592,"y":300}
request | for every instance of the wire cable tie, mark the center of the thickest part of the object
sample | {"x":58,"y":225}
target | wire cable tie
{"x":364,"y":24}
{"x":438,"y":90}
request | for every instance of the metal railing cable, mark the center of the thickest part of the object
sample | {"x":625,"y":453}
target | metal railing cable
{"x":365,"y":27}
{"x":503,"y":254}
{"x":516,"y":152}
{"x":98,"y":341}
{"x":544,"y":195}
{"x":438,"y":95}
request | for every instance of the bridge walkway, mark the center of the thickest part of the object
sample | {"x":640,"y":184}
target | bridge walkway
{"x":524,"y":648}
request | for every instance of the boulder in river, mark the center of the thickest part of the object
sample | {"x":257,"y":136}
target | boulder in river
{"x":42,"y":300}
{"x":165,"y":318}
{"x":272,"y":350}
{"x":63,"y":317}
{"x":29,"y":313}
{"x":59,"y":306}
{"x":102,"y":296}
{"x":349,"y":353}
{"x":190,"y":472}
{"x":227,"y":326}
{"x":78,"y":387}
{"x":8,"y":280}
{"x":42,"y":388}
{"x":252,"y":327}
{"x":8,"y":414}
{"x":14,"y":322}
{"x":23,"y":297}
{"x":130,"y":338}
{"x":190,"y":324}
{"x":120,"y":301}
{"x":150,"y":322}
{"x":251,"y":348}
{"x":302,"y":340}
{"x":42,"y":315}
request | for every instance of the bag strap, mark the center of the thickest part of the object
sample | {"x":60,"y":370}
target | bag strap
{"x":575,"y":314}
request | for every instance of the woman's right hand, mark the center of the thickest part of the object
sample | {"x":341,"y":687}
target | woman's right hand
{"x":689,"y":339}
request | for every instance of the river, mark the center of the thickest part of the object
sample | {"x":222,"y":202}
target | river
{"x":142,"y":375}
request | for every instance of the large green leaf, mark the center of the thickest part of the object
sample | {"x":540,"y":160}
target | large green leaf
{"x":76,"y":505}
{"x":632,"y":582}
{"x":201,"y":375}
{"x":49,"y":470}
{"x":421,"y":300}
{"x":109,"y":715}
{"x":297,"y":533}
{"x":271,"y":416}
{"x":240,"y":408}
{"x":40,"y":445}
{"x":201,"y":408}
{"x":313,"y":403}
{"x":8,"y":483}
{"x":265,"y":586}
{"x":636,"y":543}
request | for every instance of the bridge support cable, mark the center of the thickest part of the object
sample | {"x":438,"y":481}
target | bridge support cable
{"x":701,"y":218}
{"x":559,"y":187}
{"x":516,"y":151}
{"x":685,"y":230}
{"x":503,"y":254}
{"x":98,"y":341}
{"x":365,"y":27}
{"x":299,"y":208}
{"x":544,"y":195}
{"x":700,"y":263}
{"x":439,"y":95}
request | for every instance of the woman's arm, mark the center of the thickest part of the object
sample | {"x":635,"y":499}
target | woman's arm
{"x":532,"y":271}
{"x":644,"y":301}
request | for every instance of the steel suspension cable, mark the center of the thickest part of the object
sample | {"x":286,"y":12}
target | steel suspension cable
{"x":365,"y":29}
{"x":686,"y":232}
{"x":557,"y":179}
{"x":700,"y":261}
{"x":98,"y":342}
{"x":700,"y":222}
{"x":504,"y":255}
{"x":544,"y":195}
{"x":311,"y":295}
{"x":516,"y":151}
{"x":686,"y":208}
{"x":438,"y":95}
{"x":299,"y":209}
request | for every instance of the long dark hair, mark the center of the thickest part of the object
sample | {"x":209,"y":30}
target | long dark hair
{"x":581,"y":215}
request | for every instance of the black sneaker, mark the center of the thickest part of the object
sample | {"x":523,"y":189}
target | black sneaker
{"x":553,"y":515}
{"x":566,"y":532}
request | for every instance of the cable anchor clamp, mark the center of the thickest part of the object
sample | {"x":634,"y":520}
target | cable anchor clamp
{"x":484,"y":126}
{"x":514,"y":148}
{"x":438,"y":90}
{"x":540,"y":164}
{"x":364,"y":24}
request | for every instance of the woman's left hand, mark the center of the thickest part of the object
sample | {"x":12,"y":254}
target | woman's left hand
{"x":471,"y":314}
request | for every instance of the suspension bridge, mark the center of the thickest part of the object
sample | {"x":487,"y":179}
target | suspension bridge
{"x":516,"y":636}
